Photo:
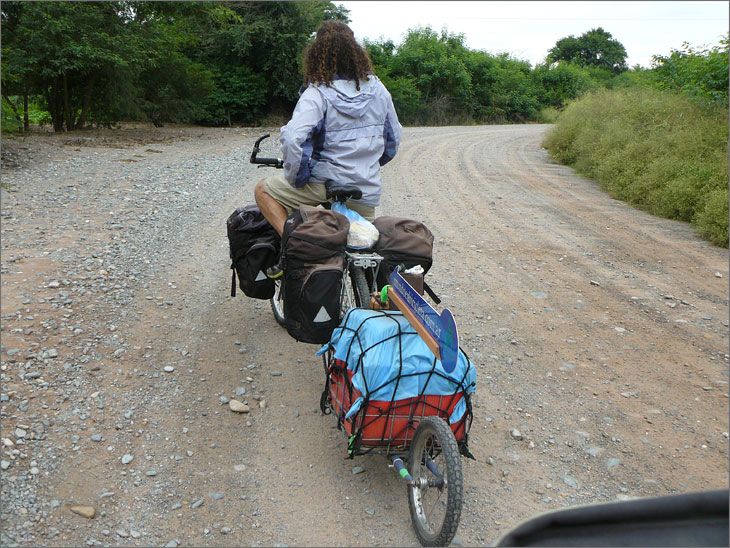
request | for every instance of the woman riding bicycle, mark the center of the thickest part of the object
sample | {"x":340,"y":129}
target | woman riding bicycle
{"x":344,"y":127}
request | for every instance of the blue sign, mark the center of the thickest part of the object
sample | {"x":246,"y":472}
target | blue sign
{"x":441,"y":327}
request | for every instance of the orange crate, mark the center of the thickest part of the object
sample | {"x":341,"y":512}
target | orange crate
{"x":386,"y":423}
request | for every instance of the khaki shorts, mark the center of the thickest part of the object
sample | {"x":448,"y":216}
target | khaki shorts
{"x":310,"y":194}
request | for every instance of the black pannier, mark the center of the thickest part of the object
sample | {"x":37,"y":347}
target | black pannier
{"x":254,"y":246}
{"x":402,"y":241}
{"x":313,"y":255}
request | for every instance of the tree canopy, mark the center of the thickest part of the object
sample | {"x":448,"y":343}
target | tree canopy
{"x":210,"y":62}
{"x":595,"y":48}
{"x":77,"y":64}
{"x":700,"y":72}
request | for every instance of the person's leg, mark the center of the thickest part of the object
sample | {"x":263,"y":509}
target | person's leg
{"x":277,"y":199}
{"x":274,"y":212}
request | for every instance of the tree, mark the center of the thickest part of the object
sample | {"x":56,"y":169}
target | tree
{"x":596,"y":48}
{"x":513,"y":95}
{"x":255,"y":49}
{"x":562,"y":82}
{"x":702,"y":73}
{"x":14,"y":75}
{"x":169,"y":85}
{"x":105,"y":61}
{"x":100,"y":61}
{"x":435,"y":66}
{"x":60,"y":49}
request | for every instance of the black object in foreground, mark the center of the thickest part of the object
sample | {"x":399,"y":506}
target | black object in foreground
{"x":692,"y":519}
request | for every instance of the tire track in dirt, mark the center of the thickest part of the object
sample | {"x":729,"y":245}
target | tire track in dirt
{"x":538,"y":202}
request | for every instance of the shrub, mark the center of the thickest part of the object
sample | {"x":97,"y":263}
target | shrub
{"x":239,"y":96}
{"x":702,"y":73}
{"x":548,"y":115}
{"x":406,"y":96}
{"x":10,"y":123}
{"x":560,"y":83}
{"x":659,"y":151}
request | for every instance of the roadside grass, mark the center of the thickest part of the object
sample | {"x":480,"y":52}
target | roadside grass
{"x":548,"y":115}
{"x":659,"y":151}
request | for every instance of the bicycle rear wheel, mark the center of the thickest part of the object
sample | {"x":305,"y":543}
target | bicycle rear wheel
{"x":360,"y":287}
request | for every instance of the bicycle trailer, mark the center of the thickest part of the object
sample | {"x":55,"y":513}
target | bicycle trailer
{"x":381,"y":380}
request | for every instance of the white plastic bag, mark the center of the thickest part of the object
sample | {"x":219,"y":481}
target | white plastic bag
{"x":362,"y":234}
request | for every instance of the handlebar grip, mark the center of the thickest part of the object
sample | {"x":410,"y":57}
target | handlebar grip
{"x":273,"y":162}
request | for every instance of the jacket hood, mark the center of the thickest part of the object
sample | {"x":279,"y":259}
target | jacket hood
{"x":343,"y":95}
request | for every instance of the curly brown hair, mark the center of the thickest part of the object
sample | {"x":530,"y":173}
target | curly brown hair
{"x":335,"y":53}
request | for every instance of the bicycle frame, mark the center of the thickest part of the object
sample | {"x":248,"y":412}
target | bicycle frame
{"x":360,"y":261}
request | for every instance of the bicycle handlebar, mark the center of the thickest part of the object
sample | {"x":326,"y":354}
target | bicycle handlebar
{"x":271,"y":162}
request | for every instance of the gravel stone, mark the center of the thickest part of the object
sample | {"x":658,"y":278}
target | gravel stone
{"x":238,"y":407}
{"x":89,"y":512}
{"x":570,"y":481}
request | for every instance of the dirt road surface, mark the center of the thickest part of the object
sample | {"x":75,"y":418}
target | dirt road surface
{"x":600,"y":334}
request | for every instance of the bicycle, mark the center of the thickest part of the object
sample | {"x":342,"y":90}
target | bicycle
{"x":415,"y":430}
{"x":362,"y":266}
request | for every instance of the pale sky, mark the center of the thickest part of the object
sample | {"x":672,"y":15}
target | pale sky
{"x":527,"y":30}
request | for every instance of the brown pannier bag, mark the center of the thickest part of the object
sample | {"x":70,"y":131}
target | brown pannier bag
{"x":313,"y":256}
{"x":402,"y":241}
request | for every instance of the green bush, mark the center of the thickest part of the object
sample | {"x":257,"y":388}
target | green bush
{"x":562,"y":82}
{"x":702,"y":73}
{"x":660,"y":151}
{"x":548,"y":115}
{"x":239,"y":96}
{"x":36,"y":115}
{"x":9,"y":122}
{"x":712,"y":218}
{"x":406,"y":97}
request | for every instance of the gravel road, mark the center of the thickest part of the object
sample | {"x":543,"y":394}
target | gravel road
{"x":600,"y":334}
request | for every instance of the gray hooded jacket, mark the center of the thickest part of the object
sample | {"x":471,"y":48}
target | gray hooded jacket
{"x":342,"y":134}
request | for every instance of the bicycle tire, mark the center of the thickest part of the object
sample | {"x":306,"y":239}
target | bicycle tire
{"x":360,"y":287}
{"x":434,"y":441}
{"x":277,"y":304}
